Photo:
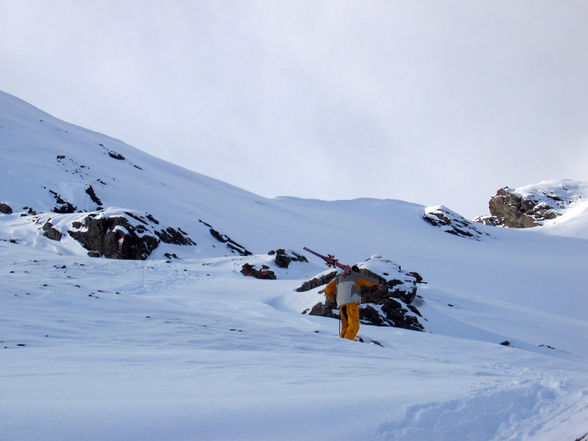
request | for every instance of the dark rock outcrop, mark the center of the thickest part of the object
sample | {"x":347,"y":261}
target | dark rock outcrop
{"x":101,"y":235}
{"x":90,"y":191}
{"x":50,"y":232}
{"x":116,"y":155}
{"x":230,"y":243}
{"x":128,"y":236}
{"x":174,"y":236}
{"x":316,"y":282}
{"x":264,"y":273}
{"x":62,"y":206}
{"x":283,"y":258}
{"x":452,"y":223}
{"x":531,"y":206}
{"x":512,"y":210}
{"x":5,"y":208}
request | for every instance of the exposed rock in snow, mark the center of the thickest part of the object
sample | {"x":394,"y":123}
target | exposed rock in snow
{"x":92,"y":194}
{"x":532,"y":205}
{"x":452,"y":223}
{"x":264,"y":273}
{"x":62,"y":206}
{"x":223,"y":238}
{"x":50,"y":232}
{"x":284,"y":258}
{"x":319,"y":280}
{"x":5,"y":208}
{"x":124,"y":236}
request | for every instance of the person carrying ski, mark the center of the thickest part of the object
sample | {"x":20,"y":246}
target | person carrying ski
{"x":346,"y":290}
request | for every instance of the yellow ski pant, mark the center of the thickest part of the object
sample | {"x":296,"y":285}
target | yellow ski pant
{"x":349,"y":320}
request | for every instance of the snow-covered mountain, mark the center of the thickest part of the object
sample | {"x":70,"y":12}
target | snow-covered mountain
{"x":181,"y":345}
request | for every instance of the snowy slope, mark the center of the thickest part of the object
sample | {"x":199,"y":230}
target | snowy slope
{"x":189,"y":349}
{"x":569,"y":200}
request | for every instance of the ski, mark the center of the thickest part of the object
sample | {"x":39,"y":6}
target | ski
{"x":329,"y":259}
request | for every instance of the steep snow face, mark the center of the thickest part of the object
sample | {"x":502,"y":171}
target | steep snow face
{"x":49,"y":165}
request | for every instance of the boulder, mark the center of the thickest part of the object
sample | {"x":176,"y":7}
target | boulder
{"x":50,"y":232}
{"x":512,"y":210}
{"x":283,"y":258}
{"x":5,"y":208}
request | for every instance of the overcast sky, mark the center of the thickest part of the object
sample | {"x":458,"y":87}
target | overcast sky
{"x":434,"y":102}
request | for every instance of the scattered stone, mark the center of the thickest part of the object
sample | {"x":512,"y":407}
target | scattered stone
{"x":264,"y":273}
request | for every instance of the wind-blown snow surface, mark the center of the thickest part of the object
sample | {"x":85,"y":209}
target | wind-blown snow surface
{"x":189,"y":349}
